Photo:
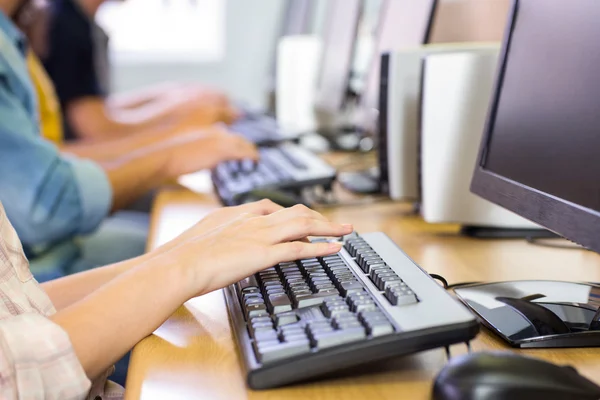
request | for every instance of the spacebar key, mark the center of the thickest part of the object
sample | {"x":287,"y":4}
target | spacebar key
{"x":313,"y":299}
{"x":283,"y":350}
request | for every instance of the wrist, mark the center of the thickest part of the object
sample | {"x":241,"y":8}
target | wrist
{"x":174,"y":274}
{"x":194,"y":277}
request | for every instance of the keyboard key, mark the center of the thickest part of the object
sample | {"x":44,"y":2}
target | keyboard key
{"x":285,"y":318}
{"x":348,"y":287}
{"x":313,"y":299}
{"x":336,"y":338}
{"x":255,"y":310}
{"x":246,"y":284}
{"x":292,"y":158}
{"x":380,"y":329}
{"x":401,"y":295}
{"x":279,"y":303}
{"x":275,"y":351}
{"x":264,"y":334}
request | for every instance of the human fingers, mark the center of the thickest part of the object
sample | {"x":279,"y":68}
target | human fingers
{"x":299,"y":210}
{"x":261,"y":207}
{"x":302,"y":227}
{"x":241,"y":149}
{"x":298,"y":250}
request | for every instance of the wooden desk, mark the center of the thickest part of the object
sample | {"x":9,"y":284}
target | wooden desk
{"x":193,"y":355}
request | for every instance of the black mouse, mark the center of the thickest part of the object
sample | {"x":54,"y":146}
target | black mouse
{"x":282,"y":198}
{"x":498,"y":376}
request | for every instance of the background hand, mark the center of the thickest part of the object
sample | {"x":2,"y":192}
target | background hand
{"x":194,"y":151}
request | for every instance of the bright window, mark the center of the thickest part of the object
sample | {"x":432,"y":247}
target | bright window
{"x":165,"y":30}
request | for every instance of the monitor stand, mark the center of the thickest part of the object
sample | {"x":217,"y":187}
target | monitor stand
{"x":483,"y":232}
{"x":364,"y":182}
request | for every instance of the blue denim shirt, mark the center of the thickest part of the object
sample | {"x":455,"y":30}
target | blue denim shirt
{"x":49,"y":198}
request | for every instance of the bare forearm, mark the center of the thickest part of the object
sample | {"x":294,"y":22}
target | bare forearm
{"x":140,"y":97}
{"x":70,"y":289}
{"x":160,"y":111}
{"x":137,"y":173}
{"x":110,"y":321}
{"x":115,"y":148}
{"x":93,"y":120}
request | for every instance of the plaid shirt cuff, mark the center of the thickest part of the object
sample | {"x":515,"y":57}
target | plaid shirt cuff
{"x":37,"y":361}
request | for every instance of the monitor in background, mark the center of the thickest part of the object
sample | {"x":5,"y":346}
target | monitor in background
{"x":431,"y":22}
{"x":297,"y":19}
{"x":460,"y":21}
{"x":338,"y":49}
{"x":405,"y":24}
{"x":540,"y":150}
{"x":365,"y":43}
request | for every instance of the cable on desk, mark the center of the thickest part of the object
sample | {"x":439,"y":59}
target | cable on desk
{"x":327,"y":198}
{"x":440,"y":279}
{"x":461,"y":284}
{"x":447,"y":286}
{"x":545,"y":242}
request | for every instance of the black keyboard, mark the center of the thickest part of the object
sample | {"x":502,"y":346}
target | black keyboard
{"x":303,"y":319}
{"x":286,"y":167}
{"x":261,"y":129}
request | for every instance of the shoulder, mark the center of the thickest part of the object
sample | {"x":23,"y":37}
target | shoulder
{"x":67,"y":25}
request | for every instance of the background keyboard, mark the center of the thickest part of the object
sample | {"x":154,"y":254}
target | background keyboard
{"x":286,"y":167}
{"x":260,"y":128}
{"x":303,"y":319}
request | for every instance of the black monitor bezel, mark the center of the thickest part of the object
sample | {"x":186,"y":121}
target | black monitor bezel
{"x":574,"y":222}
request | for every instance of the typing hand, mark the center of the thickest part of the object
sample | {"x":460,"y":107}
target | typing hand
{"x":251,"y":243}
{"x":194,"y":151}
{"x":222,"y":216}
{"x":200,"y":106}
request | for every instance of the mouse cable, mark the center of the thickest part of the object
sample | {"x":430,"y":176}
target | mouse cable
{"x":328,"y":199}
{"x":441,"y":279}
{"x":447,"y":286}
{"x":546,"y":242}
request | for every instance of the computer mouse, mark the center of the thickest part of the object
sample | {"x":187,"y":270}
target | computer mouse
{"x":506,"y":375}
{"x":284,"y":199}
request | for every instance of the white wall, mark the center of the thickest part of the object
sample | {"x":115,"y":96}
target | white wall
{"x":251,"y":28}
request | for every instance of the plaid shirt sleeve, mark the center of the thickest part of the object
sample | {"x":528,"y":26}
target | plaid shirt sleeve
{"x":37,"y":359}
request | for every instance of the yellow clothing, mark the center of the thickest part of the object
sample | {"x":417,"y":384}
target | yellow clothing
{"x":49,"y":107}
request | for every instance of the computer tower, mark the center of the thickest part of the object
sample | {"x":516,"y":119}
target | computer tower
{"x":400,"y":115}
{"x":456,"y":94}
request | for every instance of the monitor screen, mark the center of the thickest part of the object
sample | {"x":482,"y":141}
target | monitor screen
{"x":404,"y":24}
{"x":339,"y":36}
{"x":365,"y":43}
{"x":456,"y":21}
{"x":540,"y":152}
{"x":297,"y":17}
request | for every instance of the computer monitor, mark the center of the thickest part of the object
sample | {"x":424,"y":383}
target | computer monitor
{"x":461,"y":21}
{"x":338,"y":50}
{"x":540,"y":152}
{"x":404,"y":24}
{"x":366,"y":42}
{"x":296,"y":19}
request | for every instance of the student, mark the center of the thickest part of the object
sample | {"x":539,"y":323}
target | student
{"x":57,"y":201}
{"x":83,"y":88}
{"x":59,"y":340}
{"x":33,"y":19}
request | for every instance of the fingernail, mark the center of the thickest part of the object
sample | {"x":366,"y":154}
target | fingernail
{"x":347,"y":226}
{"x":335,"y":246}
